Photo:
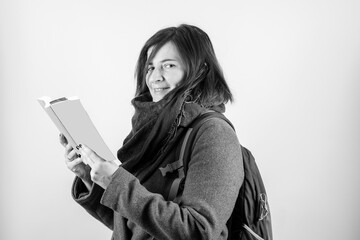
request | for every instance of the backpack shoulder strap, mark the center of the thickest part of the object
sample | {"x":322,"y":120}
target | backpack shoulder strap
{"x":186,"y":147}
{"x":188,"y":142}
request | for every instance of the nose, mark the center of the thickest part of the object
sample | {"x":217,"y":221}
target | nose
{"x":156,"y":75}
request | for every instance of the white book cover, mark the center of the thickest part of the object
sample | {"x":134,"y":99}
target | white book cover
{"x":71,"y":118}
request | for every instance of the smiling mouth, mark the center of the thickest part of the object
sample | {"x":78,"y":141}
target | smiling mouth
{"x":158,"y":90}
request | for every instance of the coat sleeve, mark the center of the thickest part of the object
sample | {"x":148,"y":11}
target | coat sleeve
{"x":215,"y":174}
{"x":91,"y":202}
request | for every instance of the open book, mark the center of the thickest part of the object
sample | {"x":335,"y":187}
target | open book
{"x":72,"y":120}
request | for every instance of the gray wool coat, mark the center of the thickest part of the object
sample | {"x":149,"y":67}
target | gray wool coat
{"x":134,"y":210}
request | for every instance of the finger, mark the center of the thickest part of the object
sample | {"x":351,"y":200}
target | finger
{"x":90,"y":154}
{"x":63,"y":140}
{"x":72,"y":155}
{"x":86,"y":159}
{"x":68,"y":149}
{"x":72,"y":165}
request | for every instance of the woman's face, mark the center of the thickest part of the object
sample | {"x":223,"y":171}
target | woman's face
{"x":164,"y":72}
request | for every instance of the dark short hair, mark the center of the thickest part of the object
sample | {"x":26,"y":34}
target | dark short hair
{"x":204,"y":79}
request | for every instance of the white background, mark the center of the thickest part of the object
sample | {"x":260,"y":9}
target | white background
{"x":293,"y":67}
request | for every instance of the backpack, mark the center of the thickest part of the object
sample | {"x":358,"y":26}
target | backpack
{"x":250,"y":219}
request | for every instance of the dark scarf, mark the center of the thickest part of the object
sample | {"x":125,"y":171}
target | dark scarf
{"x":154,"y":126}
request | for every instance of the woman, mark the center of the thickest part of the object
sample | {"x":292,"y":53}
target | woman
{"x":178,"y":79}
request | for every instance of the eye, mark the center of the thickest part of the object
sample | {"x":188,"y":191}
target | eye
{"x":169,"y":65}
{"x":149,"y":69}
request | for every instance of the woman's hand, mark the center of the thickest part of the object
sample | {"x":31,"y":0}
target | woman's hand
{"x":75,"y":163}
{"x":101,"y":170}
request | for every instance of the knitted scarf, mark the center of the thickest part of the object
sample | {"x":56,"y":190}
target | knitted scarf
{"x":154,"y":126}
